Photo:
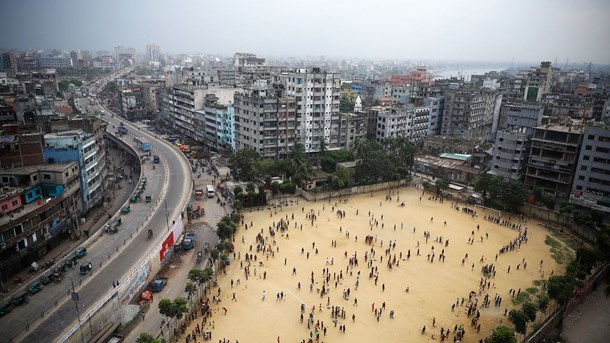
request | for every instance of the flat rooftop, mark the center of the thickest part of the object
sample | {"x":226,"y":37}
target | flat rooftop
{"x":55,"y":167}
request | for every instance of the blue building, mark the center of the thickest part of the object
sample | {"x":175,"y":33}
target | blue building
{"x":219,"y":131}
{"x":436,"y":105}
{"x":87,"y":150}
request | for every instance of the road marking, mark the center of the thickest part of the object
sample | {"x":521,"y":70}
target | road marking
{"x":301,"y":300}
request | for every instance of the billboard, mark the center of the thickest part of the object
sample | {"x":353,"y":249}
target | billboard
{"x":131,"y":102}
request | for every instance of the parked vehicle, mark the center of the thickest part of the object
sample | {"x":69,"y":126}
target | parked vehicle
{"x":156,"y":159}
{"x":158,"y":284}
{"x":35,"y":288}
{"x":189,"y":241}
{"x":210,"y":191}
{"x":20,"y":300}
{"x":80,"y":252}
{"x":85,"y":269}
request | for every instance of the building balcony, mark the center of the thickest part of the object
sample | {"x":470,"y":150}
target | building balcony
{"x":561,"y":179}
{"x":31,"y":211}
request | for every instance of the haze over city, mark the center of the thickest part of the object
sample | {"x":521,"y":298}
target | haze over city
{"x":472,"y":30}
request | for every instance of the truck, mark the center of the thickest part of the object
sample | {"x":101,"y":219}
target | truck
{"x":189,"y":241}
{"x":158,"y":284}
{"x":122,"y":130}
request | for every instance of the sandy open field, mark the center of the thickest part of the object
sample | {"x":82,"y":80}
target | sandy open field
{"x":433,"y":286}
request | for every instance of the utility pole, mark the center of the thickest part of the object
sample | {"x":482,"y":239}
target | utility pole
{"x":75,"y":298}
{"x":166,"y":214}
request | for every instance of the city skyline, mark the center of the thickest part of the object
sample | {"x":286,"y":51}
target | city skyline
{"x":495,"y":31}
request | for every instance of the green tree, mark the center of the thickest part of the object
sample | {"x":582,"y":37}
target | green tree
{"x":560,"y":289}
{"x":330,"y":159}
{"x":441,"y":184}
{"x":490,"y":186}
{"x":225,"y":228}
{"x":518,"y":318}
{"x":513,"y":195}
{"x":242,"y":163}
{"x":173,"y":309}
{"x":196,"y":276}
{"x":401,"y":152}
{"x":190,"y":289}
{"x":180,"y":307}
{"x":363,"y":147}
{"x":502,"y":334}
{"x":111,"y":87}
{"x":300,"y":167}
{"x":343,"y":177}
{"x":147,"y":338}
{"x":237,"y":189}
{"x":214,"y":253}
{"x":346,"y":104}
{"x":543,"y":303}
{"x":529,"y":310}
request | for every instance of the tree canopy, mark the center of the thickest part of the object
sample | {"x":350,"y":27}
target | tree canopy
{"x":147,"y":338}
{"x":173,"y":309}
{"x":502,"y":334}
{"x":508,"y":194}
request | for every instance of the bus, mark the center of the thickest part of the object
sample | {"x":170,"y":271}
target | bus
{"x":210,"y":191}
{"x":143,"y":144}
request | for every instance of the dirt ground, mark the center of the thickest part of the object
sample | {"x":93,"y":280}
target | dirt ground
{"x":433,"y":286}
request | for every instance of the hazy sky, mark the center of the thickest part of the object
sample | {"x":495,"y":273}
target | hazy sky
{"x":482,"y":30}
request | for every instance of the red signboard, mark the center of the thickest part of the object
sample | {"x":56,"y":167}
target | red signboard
{"x":168,"y":244}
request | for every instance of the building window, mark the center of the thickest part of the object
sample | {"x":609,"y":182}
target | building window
{"x":581,"y":177}
{"x":585,"y":157}
{"x":46,"y":176}
{"x":15,"y":202}
{"x":588,"y":147}
{"x":591,"y":137}
{"x":583,"y":167}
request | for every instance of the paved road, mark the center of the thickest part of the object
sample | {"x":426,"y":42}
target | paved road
{"x":590,"y":320}
{"x":205,"y":233}
{"x":94,"y":286}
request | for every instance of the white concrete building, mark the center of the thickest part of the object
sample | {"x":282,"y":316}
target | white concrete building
{"x":317,"y":94}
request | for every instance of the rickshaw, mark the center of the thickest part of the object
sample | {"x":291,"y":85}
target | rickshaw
{"x":20,"y":300}
{"x":6,"y":309}
{"x":35,"y":288}
{"x":150,"y":233}
{"x":68,"y":263}
{"x":133,"y":199}
{"x":199,"y":256}
{"x":126,"y":209}
{"x":85,"y":269}
{"x":148,"y":199}
{"x":80,"y":252}
{"x":45,"y":280}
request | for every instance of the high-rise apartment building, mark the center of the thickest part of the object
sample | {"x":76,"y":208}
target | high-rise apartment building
{"x":317,"y":96}
{"x":538,"y":82}
{"x":591,"y":187}
{"x":512,"y":146}
{"x":553,"y":158}
{"x":9,"y":61}
{"x":153,"y":52}
{"x":266,"y":120}
{"x":469,"y":113}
